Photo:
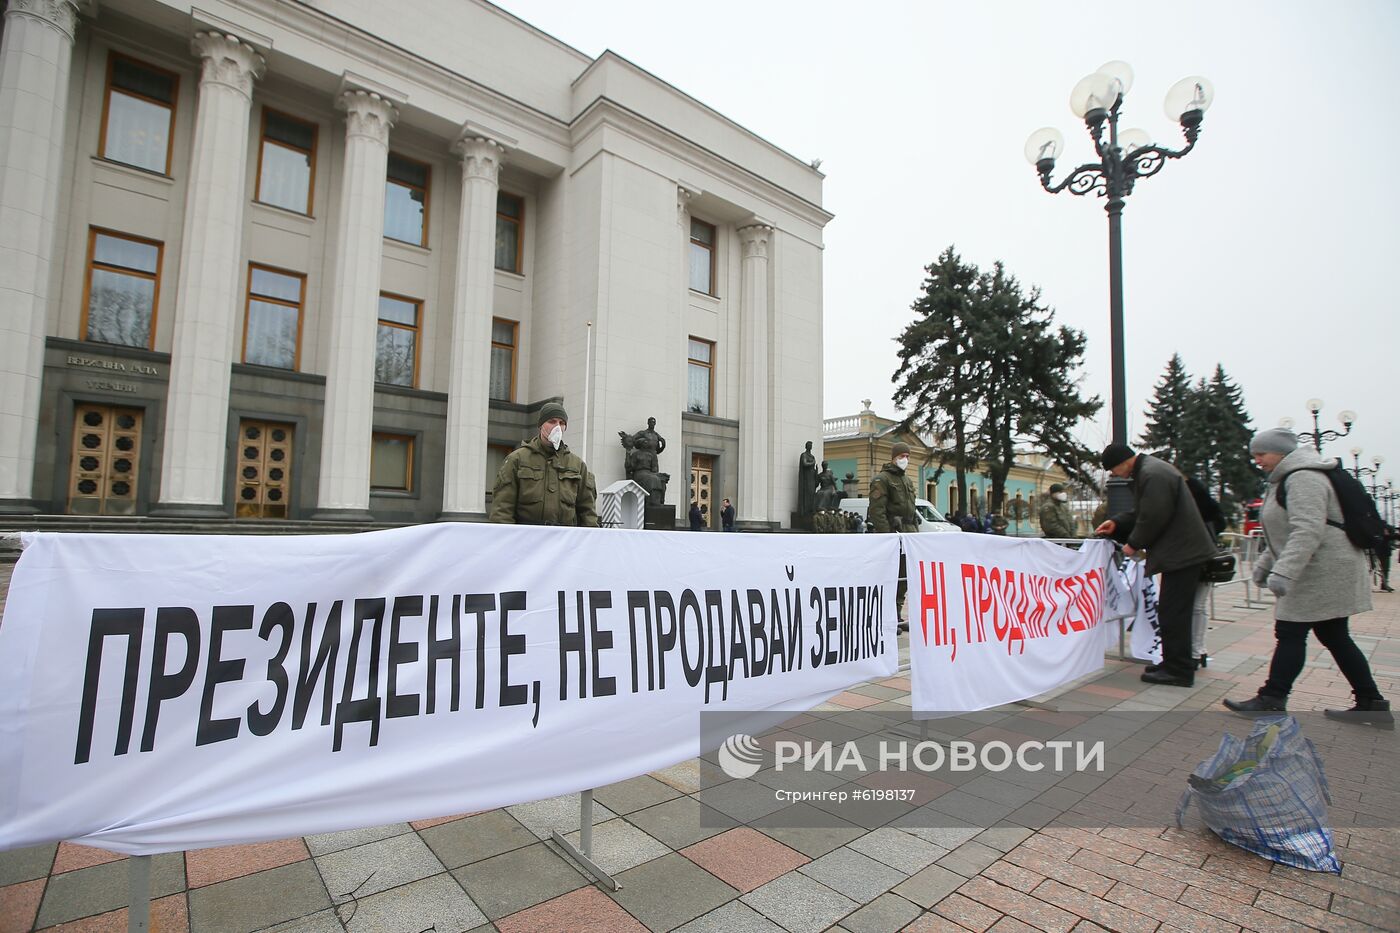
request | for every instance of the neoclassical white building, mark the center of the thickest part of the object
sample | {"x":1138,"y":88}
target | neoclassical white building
{"x":323,"y":259}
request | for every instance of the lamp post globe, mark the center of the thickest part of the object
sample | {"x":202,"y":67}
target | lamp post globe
{"x":1123,"y":159}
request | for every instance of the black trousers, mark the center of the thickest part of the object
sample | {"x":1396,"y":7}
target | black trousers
{"x":1291,"y":651}
{"x":1174,"y":609}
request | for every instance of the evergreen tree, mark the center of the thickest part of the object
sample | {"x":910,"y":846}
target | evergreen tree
{"x":940,"y":375}
{"x":983,"y":364}
{"x":1224,"y":449}
{"x":1165,"y":432}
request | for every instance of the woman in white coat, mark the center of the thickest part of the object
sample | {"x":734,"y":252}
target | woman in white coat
{"x":1318,"y":575}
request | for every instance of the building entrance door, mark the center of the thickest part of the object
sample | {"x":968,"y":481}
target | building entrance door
{"x":106,"y":460}
{"x":264,"y":469}
{"x":702,"y":481}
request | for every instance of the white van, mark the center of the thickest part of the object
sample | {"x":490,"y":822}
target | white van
{"x":930,"y":519}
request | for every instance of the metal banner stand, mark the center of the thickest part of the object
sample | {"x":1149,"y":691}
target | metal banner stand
{"x":138,"y":911}
{"x":585,"y":838}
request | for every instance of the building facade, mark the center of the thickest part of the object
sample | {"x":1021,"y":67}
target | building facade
{"x":264,"y":259}
{"x":860,"y":445}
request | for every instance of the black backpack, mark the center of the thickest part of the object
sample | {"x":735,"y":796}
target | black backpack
{"x":1360,"y":520}
{"x":1210,"y":510}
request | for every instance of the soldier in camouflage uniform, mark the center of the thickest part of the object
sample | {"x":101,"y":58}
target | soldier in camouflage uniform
{"x":892,"y":509}
{"x":542,"y":482}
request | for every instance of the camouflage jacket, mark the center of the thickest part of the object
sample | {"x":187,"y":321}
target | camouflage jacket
{"x":892,"y":501}
{"x":539,"y":486}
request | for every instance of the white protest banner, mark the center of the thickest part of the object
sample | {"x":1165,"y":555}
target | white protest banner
{"x":160,"y":693}
{"x":994,"y":620}
{"x":1145,"y":642}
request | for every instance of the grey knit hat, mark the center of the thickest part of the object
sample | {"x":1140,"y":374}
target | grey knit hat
{"x":899,"y":448}
{"x":1274,"y":441}
{"x":1056,"y":487}
{"x":553,"y":410}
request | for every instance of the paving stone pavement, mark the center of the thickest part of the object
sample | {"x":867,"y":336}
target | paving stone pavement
{"x":1006,"y":852}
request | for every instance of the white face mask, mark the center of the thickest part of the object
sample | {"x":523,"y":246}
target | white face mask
{"x":556,"y":436}
{"x":1061,"y":497}
{"x":902,"y":463}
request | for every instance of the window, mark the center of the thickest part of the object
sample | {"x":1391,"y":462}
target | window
{"x":406,"y":201}
{"x":391,"y":462}
{"x":123,"y":282}
{"x":510,"y":228}
{"x":700,"y":396}
{"x":136,"y":119}
{"x":287,"y":162}
{"x":272,"y":327}
{"x":702,"y":256}
{"x":503,"y":359}
{"x":396,"y":349}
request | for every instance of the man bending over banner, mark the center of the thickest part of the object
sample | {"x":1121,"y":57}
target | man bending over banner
{"x":542,"y":482}
{"x":1164,"y":522}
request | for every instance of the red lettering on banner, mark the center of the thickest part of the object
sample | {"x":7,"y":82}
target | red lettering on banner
{"x":933,"y":600}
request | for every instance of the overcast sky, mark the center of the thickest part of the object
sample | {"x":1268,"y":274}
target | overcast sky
{"x":1270,"y":249}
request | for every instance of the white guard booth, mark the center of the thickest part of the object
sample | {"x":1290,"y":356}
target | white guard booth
{"x":622,"y":505}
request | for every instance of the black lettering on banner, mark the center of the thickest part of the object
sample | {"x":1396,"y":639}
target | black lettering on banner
{"x":170,"y":620}
{"x":602,"y":640}
{"x":218,"y":671}
{"x":832,"y":621}
{"x":278,"y":615}
{"x":814,"y":599}
{"x":717,"y":639}
{"x":637,"y":601}
{"x":478,"y":604}
{"x":666,"y":635}
{"x":366,"y":708}
{"x":738,"y":636}
{"x":110,"y":622}
{"x":401,"y":653}
{"x":691,"y":604}
{"x":758,"y":634}
{"x":780,"y":650}
{"x":324,"y":666}
{"x":571,"y":642}
{"x":444,"y":649}
{"x":511,"y":694}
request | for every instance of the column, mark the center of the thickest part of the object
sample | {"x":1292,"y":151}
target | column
{"x":468,"y":403}
{"x":36,"y":53}
{"x":207,"y":295}
{"x":754,"y":386}
{"x":348,"y":418}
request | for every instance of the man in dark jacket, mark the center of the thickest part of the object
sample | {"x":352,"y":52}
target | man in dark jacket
{"x":542,"y":482}
{"x":726,"y":515}
{"x":1165,"y":523}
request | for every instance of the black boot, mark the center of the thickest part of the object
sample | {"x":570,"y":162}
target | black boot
{"x":1365,"y":713}
{"x":1257,"y":704}
{"x":1202,"y":660}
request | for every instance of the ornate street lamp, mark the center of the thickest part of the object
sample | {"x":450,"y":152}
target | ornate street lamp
{"x":1123,"y":158}
{"x":1317,"y":436}
{"x":1359,"y":471}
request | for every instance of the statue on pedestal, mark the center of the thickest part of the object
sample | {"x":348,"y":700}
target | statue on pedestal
{"x":827,"y":495}
{"x":642,"y":463}
{"x":806,"y":482}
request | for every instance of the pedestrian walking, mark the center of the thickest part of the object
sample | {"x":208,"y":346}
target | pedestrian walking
{"x":1319,"y":576}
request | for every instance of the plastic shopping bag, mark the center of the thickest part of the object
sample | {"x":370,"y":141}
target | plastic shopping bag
{"x":1267,"y":795}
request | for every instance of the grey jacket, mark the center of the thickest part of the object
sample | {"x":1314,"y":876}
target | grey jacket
{"x":1164,"y":520}
{"x":1327,"y":573}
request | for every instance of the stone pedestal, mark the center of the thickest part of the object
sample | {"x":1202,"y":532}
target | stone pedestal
{"x":660,"y":518}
